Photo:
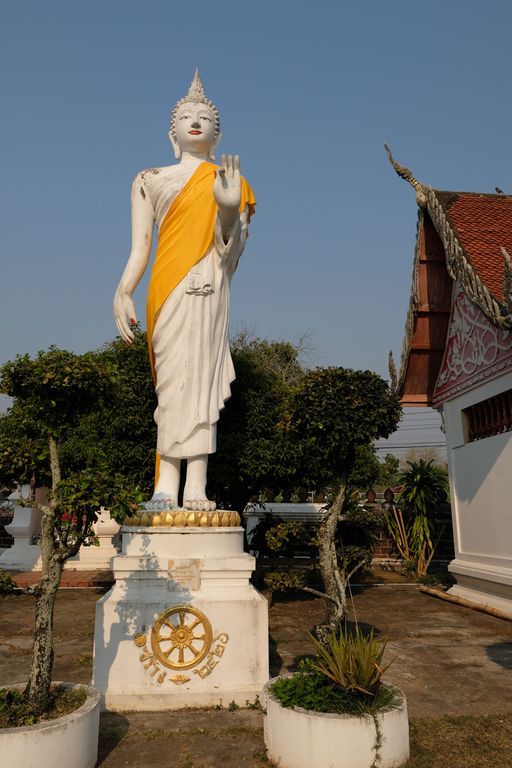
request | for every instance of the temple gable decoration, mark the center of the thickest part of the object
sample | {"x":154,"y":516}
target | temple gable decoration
{"x":476,"y":350}
{"x":461,"y":288}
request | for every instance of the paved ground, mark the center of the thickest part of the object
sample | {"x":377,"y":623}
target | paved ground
{"x":450,"y":660}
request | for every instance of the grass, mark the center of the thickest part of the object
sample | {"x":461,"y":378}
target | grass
{"x":462,"y":742}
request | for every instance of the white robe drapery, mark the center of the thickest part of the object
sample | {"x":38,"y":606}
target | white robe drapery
{"x":193,"y":366}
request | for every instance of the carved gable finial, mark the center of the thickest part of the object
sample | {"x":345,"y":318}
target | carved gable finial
{"x":405,"y":173}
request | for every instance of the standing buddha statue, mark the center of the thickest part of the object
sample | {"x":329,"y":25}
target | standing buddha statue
{"x":201,"y":212}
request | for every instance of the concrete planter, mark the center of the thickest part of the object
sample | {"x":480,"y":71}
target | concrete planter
{"x":66,"y":742}
{"x":298,"y":738}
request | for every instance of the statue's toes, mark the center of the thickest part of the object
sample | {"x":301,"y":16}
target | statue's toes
{"x":200,"y":505}
{"x":159,"y":502}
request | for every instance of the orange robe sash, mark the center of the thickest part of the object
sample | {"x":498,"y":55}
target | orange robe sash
{"x":185,"y":237}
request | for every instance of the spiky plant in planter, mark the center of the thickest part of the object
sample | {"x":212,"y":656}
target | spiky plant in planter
{"x":345,"y":676}
{"x":52,"y":391}
{"x":319,"y":716}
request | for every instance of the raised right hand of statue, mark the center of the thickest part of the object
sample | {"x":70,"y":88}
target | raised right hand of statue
{"x":124,"y":315}
{"x":227,"y":190}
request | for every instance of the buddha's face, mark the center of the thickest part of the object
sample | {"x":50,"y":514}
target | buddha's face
{"x":195,"y":128}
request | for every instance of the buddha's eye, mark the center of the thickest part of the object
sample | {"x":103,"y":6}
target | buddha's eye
{"x":203,"y":117}
{"x":185,"y":117}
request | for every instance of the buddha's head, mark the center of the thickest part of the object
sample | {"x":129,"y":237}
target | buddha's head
{"x":195,"y":123}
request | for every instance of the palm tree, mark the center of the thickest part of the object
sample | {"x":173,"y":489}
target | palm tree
{"x":424,"y":487}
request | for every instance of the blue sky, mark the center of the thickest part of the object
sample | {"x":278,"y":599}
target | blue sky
{"x":308,"y":93}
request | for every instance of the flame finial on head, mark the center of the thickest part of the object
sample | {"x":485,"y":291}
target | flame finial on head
{"x":196,"y":95}
{"x":196,"y":91}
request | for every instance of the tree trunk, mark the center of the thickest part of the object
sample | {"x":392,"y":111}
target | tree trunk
{"x":38,"y":688}
{"x":334,"y":587}
{"x":40,"y":678}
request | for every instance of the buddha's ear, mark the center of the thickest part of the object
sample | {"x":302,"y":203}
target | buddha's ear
{"x":211,"y":153}
{"x":176,"y":147}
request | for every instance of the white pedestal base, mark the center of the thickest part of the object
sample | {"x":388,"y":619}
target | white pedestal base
{"x":486,"y":584}
{"x":204,"y":572}
{"x":23,"y":555}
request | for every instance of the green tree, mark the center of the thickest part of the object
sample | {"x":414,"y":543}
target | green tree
{"x":365,"y":469}
{"x":333,"y":413}
{"x":253,"y":449}
{"x":23,"y":450}
{"x":119,"y":434}
{"x":389,"y":470}
{"x":53,"y":391}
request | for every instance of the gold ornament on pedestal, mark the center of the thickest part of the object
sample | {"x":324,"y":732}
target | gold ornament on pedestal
{"x":181,"y":637}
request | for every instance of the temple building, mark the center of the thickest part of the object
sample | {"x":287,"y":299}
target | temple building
{"x":457,"y":358}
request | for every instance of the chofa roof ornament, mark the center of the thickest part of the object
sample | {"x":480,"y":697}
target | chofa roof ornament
{"x":405,"y":173}
{"x":196,"y":95}
{"x":460,"y":267}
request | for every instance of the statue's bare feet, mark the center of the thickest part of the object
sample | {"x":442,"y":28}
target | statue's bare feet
{"x":161,"y":501}
{"x":194,"y":494}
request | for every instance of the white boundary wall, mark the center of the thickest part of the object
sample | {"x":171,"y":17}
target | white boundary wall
{"x":481,"y":491}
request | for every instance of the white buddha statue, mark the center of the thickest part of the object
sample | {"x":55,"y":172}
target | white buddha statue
{"x":201,"y":212}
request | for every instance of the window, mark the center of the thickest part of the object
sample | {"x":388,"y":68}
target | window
{"x":490,"y":417}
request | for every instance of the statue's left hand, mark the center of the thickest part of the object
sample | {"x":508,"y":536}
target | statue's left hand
{"x":227,"y":187}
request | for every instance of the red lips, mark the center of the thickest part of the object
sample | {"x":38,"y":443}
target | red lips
{"x":195,"y":133}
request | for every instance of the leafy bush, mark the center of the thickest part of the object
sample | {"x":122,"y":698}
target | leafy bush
{"x":356,"y":534}
{"x":7,"y":583}
{"x":288,"y":579}
{"x":289,"y":536}
{"x":355,"y":538}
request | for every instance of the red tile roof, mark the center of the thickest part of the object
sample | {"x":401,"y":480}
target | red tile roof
{"x":482,"y":223}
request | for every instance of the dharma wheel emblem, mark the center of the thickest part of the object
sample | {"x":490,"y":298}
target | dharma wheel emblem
{"x":181,"y":637}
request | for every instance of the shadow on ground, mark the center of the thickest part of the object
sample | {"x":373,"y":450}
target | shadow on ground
{"x":501,"y":653}
{"x":114,"y":727}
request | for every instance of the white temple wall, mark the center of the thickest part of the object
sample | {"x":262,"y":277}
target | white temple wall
{"x":481,"y":492}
